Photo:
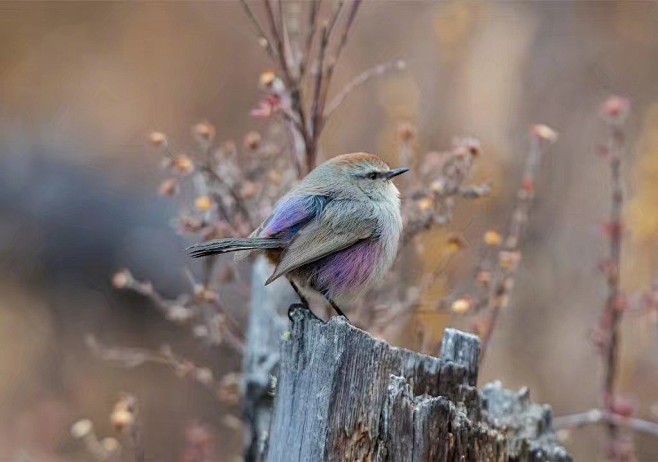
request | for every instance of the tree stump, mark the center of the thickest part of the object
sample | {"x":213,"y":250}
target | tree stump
{"x":267,"y":323}
{"x":343,"y":395}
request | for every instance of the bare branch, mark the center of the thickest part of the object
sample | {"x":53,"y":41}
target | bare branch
{"x":262,"y":36}
{"x":328,"y":73}
{"x":334,"y":17}
{"x":239,"y":202}
{"x":510,"y":255}
{"x":359,"y":80}
{"x":310,"y":35}
{"x":316,"y":102}
{"x":597,"y":416}
{"x":346,"y":30}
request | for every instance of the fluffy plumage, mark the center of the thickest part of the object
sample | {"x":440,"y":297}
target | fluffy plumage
{"x":336,"y":232}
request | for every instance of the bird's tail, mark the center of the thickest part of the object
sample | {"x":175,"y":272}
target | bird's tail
{"x":234,"y":245}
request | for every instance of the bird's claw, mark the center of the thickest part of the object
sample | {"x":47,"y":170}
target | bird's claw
{"x":296,"y":306}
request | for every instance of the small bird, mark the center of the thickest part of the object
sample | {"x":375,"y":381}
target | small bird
{"x":336,"y":232}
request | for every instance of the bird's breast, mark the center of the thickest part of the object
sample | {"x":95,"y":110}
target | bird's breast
{"x":348,"y":271}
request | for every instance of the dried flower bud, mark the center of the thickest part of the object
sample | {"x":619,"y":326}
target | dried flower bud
{"x":157,"y":139}
{"x":200,"y":331}
{"x":189,"y":224}
{"x":82,"y":428}
{"x":438,"y":186}
{"x":425,"y":203}
{"x":527,"y":185}
{"x":271,"y":83}
{"x":123,"y":414}
{"x":622,"y":406}
{"x":178,"y":313}
{"x":509,"y":260}
{"x":455,"y":243}
{"x":480,"y":326}
{"x":203,"y":203}
{"x":198,"y":435}
{"x":502,"y":300}
{"x":461,"y":305}
{"x":169,"y":187}
{"x":620,"y":303}
{"x":122,"y":279}
{"x":204,"y":132}
{"x":266,"y":80}
{"x":473,"y":146}
{"x":406,"y":132}
{"x":197,"y":289}
{"x":599,"y":338}
{"x":252,"y":141}
{"x":464,"y":146}
{"x":229,"y":148}
{"x":122,"y":420}
{"x":204,"y":375}
{"x":615,"y":109}
{"x":544,"y":132}
{"x":484,"y":278}
{"x":492,"y":238}
{"x":612,"y":230}
{"x":230,"y":388}
{"x":110,"y":444}
{"x":185,"y":368}
{"x":208,"y":295}
{"x":266,"y":107}
{"x":183,"y":164}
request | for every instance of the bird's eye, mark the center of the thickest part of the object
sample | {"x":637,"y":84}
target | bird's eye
{"x":372,"y":175}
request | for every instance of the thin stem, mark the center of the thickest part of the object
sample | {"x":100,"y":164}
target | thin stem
{"x":285,"y":38}
{"x":596,"y":416}
{"x":359,"y":80}
{"x":613,"y":313}
{"x":334,"y":17}
{"x":316,"y":104}
{"x":310,"y":35}
{"x":292,"y":84}
{"x":328,"y":73}
{"x":509,"y":255}
{"x":343,"y":39}
{"x":239,"y":203}
{"x":259,"y":29}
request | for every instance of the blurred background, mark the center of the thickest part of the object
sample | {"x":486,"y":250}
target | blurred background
{"x":82,"y":84}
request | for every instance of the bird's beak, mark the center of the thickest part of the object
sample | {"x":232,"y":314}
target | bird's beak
{"x":395,"y":172}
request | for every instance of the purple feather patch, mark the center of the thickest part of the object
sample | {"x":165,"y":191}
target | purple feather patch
{"x":346,"y":271}
{"x":292,"y":214}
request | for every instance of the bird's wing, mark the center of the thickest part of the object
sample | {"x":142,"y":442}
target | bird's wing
{"x":342,"y":224}
{"x":290,"y":214}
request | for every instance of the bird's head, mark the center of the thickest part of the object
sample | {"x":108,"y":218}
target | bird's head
{"x":359,"y":174}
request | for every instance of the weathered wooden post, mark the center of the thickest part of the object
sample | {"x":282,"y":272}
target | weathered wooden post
{"x":343,"y":395}
{"x":267,"y":323}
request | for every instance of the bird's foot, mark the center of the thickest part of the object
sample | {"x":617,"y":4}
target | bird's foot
{"x":301,"y":306}
{"x":337,"y":309}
